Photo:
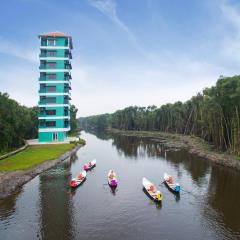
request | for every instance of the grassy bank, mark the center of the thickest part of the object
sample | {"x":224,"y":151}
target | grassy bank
{"x":33,"y":156}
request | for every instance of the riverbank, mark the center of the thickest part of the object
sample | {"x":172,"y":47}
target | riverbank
{"x":193,"y":144}
{"x":22,"y":167}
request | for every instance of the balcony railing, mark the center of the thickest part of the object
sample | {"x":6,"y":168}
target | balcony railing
{"x":68,"y":55}
{"x":45,"y":126}
{"x":45,"y":79}
{"x":44,"y":90}
{"x":48,"y":55}
{"x":56,"y":44}
{"x":56,"y":55}
{"x":66,"y":66}
{"x":66,"y":113}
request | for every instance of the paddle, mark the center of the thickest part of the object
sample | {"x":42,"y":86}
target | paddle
{"x":161,"y":183}
{"x":189,"y":192}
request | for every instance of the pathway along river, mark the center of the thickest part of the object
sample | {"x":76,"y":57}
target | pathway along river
{"x":46,"y":207}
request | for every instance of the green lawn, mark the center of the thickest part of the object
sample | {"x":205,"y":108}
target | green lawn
{"x":32,"y":156}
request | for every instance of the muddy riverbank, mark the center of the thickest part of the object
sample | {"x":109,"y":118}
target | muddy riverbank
{"x":193,"y":144}
{"x":11,"y":181}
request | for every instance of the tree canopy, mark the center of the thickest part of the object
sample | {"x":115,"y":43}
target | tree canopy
{"x":212,"y":114}
{"x":17,"y":123}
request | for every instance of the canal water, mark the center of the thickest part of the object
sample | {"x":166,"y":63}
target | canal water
{"x":46,"y":207}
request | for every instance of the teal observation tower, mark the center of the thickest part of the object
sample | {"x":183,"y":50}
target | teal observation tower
{"x":54,"y":86}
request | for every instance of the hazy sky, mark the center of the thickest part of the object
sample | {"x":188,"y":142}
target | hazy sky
{"x":126,"y":52}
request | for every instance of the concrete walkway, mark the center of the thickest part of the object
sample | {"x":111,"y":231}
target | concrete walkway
{"x":36,"y":142}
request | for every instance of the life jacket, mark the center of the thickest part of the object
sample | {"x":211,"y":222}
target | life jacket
{"x":170,"y":179}
{"x":80,"y":176}
{"x":159,"y":196}
{"x":73,"y":183}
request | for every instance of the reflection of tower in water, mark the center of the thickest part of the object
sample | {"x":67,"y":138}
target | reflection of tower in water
{"x":56,"y":203}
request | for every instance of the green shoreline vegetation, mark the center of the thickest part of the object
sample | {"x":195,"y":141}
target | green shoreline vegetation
{"x":34,"y":155}
{"x":18,"y":123}
{"x":212,"y":115}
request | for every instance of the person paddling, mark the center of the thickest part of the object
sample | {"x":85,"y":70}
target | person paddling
{"x":111,"y":175}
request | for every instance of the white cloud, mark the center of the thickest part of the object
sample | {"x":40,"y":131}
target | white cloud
{"x":231,"y":39}
{"x":21,"y":83}
{"x":162,"y":76}
{"x":109,"y":9}
{"x":100,"y":89}
{"x":12,"y":49}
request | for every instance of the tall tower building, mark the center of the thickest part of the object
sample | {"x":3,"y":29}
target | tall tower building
{"x":54,"y":86}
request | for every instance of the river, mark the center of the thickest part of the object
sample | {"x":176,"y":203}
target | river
{"x":46,"y":207}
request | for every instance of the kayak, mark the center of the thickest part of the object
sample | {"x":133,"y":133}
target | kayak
{"x":168,"y":180}
{"x":89,"y":165}
{"x":151,"y":190}
{"x":112,"y":179}
{"x":81,"y":177}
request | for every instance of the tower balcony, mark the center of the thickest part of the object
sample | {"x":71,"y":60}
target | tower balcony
{"x":54,"y":42}
{"x":61,"y":54}
{"x":45,"y":65}
{"x":68,"y":66}
{"x":66,"y":123}
{"x":66,"y":113}
{"x":68,"y":55}
{"x":52,"y":67}
{"x":67,"y":76}
{"x":67,"y":99}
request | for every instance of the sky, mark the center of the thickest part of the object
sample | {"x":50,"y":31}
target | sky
{"x":126,"y":52}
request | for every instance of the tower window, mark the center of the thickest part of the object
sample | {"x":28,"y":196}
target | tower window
{"x":50,"y":112}
{"x":50,"y":100}
{"x":51,"y":53}
{"x":51,"y":42}
{"x":41,"y":123}
{"x":51,"y":88}
{"x":51,"y":76}
{"x":51,"y":123}
{"x":51,"y":64}
{"x":41,"y":111}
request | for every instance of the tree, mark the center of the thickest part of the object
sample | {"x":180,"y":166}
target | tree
{"x":213,"y":115}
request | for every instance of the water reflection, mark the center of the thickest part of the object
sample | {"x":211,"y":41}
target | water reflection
{"x":223,"y":189}
{"x":8,"y":205}
{"x":208,"y":208}
{"x":197,"y":167}
{"x":222,"y":202}
{"x":56,"y":202}
{"x":103,"y":135}
{"x":137,"y":147}
{"x":113,"y":190}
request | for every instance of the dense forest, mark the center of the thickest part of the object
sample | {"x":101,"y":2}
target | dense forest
{"x":18,"y":122}
{"x":213,"y":114}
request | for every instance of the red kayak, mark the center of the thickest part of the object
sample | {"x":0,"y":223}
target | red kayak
{"x":79,"y":179}
{"x":89,"y":165}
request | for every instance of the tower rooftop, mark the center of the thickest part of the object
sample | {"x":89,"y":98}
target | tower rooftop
{"x":54,"y":34}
